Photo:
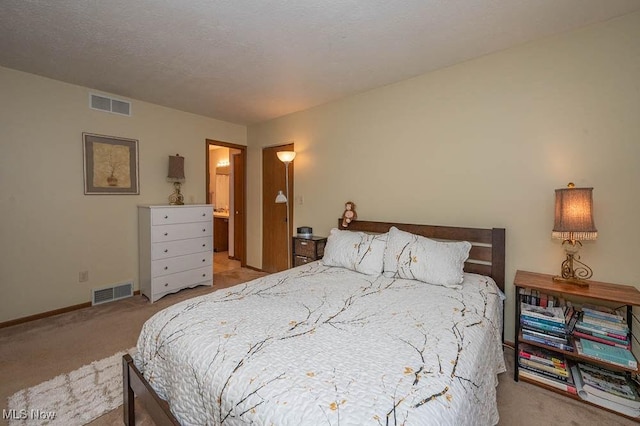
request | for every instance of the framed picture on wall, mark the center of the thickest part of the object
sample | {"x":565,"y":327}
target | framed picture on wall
{"x":110,"y":165}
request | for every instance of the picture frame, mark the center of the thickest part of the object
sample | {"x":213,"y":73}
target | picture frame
{"x":110,"y":165}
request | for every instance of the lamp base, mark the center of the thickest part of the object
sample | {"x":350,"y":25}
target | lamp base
{"x":176,"y":199}
{"x":573,"y":271}
{"x":575,"y":281}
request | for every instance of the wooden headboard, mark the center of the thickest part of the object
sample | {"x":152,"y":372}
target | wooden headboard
{"x":487,"y":251}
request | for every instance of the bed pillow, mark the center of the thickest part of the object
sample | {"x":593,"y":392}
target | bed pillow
{"x":357,"y":251}
{"x":415,"y":257}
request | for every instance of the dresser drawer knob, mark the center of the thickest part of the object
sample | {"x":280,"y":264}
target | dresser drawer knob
{"x":166,"y":267}
{"x":303,"y":243}
{"x":204,"y":275}
{"x":204,"y":245}
{"x":204,"y":260}
{"x":166,"y":250}
{"x":166,"y":216}
{"x":166,"y":233}
{"x":204,"y":214}
{"x":204,"y":230}
{"x":166,"y":284}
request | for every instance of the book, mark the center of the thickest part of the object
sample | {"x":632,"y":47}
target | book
{"x":542,"y":325}
{"x":571,"y":323}
{"x":555,"y":314}
{"x":603,"y":402}
{"x":565,"y":386}
{"x":544,"y":300}
{"x":526,"y":317}
{"x":532,"y":338}
{"x":533,"y":328}
{"x":543,"y":373}
{"x":542,"y":355}
{"x":559,"y":373}
{"x":608,"y":384}
{"x":611,"y":353}
{"x":595,"y":329}
{"x":602,"y":339}
{"x":602,"y":312}
{"x":618,"y":326}
{"x":545,"y":336}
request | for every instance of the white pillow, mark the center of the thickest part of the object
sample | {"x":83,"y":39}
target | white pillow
{"x":415,"y":257}
{"x":356,"y":251}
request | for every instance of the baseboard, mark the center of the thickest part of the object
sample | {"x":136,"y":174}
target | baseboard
{"x":49,"y":313}
{"x":253,"y":268}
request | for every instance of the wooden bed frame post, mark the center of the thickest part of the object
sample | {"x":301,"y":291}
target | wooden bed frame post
{"x":498,"y":248}
{"x":128,"y":411}
{"x":134,"y":383}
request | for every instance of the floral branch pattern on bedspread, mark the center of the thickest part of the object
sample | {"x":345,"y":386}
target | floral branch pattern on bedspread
{"x":326,"y":345}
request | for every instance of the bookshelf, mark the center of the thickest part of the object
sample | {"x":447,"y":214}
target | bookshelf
{"x":616,"y":294}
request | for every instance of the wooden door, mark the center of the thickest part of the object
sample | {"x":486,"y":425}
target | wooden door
{"x":274,"y":216}
{"x":239,"y":250}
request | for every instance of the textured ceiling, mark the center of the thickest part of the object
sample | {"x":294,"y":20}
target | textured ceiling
{"x":247,"y":61}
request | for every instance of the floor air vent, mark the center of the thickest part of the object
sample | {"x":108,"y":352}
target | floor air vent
{"x":109,"y":294}
{"x":107,"y":104}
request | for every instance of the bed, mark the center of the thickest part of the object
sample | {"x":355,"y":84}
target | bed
{"x":327,"y":344}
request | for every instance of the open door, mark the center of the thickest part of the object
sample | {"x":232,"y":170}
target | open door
{"x":237,"y":196}
{"x":274,"y":216}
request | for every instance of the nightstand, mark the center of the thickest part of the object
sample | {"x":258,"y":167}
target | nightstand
{"x":307,"y":249}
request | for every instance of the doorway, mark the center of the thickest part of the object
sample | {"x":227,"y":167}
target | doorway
{"x":225,"y":186}
{"x":274,"y":215}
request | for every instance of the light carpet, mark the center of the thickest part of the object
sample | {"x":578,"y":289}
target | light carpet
{"x":74,"y":398}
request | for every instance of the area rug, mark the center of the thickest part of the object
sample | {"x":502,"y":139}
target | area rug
{"x":74,"y":398}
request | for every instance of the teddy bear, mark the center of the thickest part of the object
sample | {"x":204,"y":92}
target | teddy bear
{"x":349,"y":213}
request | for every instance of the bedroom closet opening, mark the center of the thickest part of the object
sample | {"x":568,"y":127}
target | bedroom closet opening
{"x":225,"y":191}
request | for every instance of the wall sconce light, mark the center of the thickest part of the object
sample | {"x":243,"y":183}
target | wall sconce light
{"x":286,"y":157}
{"x":573,"y":223}
{"x":176,"y":175}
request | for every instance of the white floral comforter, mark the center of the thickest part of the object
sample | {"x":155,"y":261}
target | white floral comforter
{"x":322,"y":345}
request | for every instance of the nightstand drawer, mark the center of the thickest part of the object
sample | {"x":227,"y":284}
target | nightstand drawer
{"x":299,"y":260}
{"x":304,"y":247}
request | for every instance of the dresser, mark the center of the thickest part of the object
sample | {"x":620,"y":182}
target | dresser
{"x":175,"y":248}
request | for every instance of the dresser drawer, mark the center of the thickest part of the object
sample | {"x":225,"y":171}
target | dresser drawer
{"x":180,"y":247}
{"x":167,"y":216}
{"x":162,"y":233}
{"x":181,"y":279}
{"x":173,"y":265}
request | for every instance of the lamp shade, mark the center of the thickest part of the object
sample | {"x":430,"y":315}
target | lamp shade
{"x":176,"y":168}
{"x":286,"y":156}
{"x":281,"y":198}
{"x":574,"y":214}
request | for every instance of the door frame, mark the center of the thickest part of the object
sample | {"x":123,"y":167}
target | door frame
{"x":241,"y":254}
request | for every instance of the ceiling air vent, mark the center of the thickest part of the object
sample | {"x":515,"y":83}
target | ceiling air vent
{"x":107,"y":104}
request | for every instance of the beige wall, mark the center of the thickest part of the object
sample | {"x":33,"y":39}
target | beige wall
{"x":50,"y":230}
{"x":483,"y":143}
